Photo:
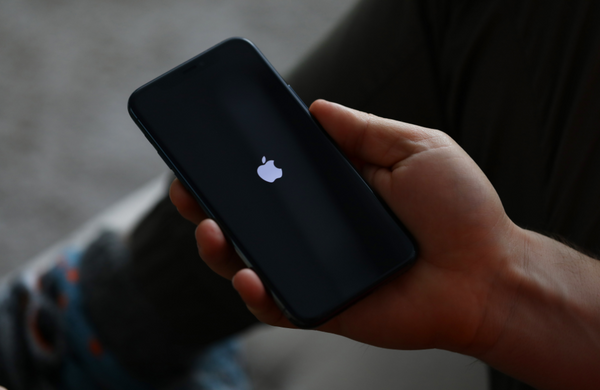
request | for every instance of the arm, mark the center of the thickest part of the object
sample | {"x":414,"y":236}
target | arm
{"x":482,"y":286}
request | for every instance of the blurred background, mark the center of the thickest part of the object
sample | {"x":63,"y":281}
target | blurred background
{"x":68,"y":148}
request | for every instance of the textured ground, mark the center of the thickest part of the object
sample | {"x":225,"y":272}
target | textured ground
{"x":67,"y":146}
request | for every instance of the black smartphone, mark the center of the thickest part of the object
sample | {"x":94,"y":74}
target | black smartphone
{"x":293,"y":207}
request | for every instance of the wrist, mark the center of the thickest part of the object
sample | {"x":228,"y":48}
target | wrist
{"x":543,"y":316}
{"x":504,"y":279}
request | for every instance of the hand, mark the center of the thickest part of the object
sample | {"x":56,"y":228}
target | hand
{"x":443,"y":199}
{"x":522,"y":302}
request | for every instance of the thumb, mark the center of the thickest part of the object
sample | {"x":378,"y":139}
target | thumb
{"x":369,"y":138}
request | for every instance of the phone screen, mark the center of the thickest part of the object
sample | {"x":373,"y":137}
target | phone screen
{"x":245,"y":145}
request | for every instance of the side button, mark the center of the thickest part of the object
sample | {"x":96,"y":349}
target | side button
{"x":241,"y":255}
{"x":296,"y":95}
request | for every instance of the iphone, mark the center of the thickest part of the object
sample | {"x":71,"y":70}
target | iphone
{"x":294,"y":208}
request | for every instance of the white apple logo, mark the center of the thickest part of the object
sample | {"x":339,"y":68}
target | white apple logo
{"x":268,"y":171}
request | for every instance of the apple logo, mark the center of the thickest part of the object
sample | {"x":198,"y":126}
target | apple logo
{"x":268,"y":171}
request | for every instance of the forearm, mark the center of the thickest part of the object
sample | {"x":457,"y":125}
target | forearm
{"x":548,"y":330}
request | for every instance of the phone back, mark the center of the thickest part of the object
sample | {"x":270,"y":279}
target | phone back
{"x":299,"y":214}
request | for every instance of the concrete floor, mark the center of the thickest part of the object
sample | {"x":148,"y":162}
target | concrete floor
{"x":67,"y":146}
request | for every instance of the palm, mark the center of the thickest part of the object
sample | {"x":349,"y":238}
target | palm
{"x":454,"y":214}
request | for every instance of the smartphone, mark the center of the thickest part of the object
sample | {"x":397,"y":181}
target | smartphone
{"x":293,"y":207}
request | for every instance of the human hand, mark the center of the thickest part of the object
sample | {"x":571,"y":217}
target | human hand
{"x":455,"y":215}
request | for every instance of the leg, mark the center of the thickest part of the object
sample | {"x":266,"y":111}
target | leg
{"x":123,"y":314}
{"x":159,"y":305}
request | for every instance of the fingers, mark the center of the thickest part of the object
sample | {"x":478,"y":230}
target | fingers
{"x":185,"y":203}
{"x":258,"y":300}
{"x":263,"y":307}
{"x":216,"y":251}
{"x":220,"y":256}
{"x":372,"y":139}
{"x":213,"y":247}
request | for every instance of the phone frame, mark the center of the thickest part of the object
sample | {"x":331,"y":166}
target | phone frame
{"x":201,"y":61}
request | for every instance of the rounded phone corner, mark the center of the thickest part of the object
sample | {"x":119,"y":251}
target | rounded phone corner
{"x":308,"y":323}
